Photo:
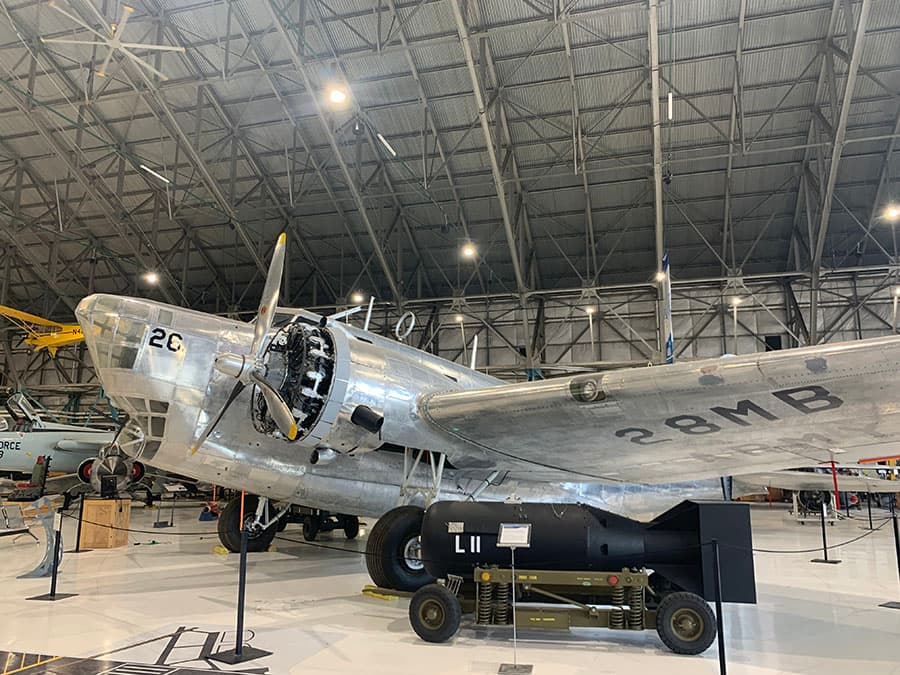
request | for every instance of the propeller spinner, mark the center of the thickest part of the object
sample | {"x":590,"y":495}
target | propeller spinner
{"x":249,"y":368}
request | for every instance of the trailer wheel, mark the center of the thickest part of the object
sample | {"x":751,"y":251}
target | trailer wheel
{"x":393,"y":550}
{"x":435,"y":613}
{"x":685,"y":623}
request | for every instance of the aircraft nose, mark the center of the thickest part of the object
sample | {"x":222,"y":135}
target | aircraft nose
{"x":108,"y":334}
{"x":84,"y":310}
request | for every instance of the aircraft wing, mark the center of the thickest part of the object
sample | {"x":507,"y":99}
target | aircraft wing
{"x":804,"y":480}
{"x":689,"y":420}
{"x":71,"y":445}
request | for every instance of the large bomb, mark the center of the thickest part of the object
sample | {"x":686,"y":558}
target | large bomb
{"x":677,"y":545}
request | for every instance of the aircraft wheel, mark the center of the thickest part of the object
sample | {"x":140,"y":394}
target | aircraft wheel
{"x":435,"y":613}
{"x":685,"y":623}
{"x":351,"y":526}
{"x":393,"y":550}
{"x":229,"y":527}
{"x":310,"y":528}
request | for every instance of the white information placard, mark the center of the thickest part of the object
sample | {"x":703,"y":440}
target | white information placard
{"x":514,"y":535}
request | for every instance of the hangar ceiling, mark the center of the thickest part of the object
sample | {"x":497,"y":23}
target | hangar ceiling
{"x":524,"y":127}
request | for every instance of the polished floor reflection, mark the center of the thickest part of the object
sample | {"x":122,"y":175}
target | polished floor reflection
{"x":169,"y":599}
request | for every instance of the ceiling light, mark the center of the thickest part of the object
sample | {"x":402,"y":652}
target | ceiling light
{"x":897,"y":291}
{"x":151,"y":277}
{"x":468,"y":250}
{"x":590,"y":310}
{"x":387,"y":145}
{"x":735,"y":301}
{"x":459,"y":318}
{"x":337,"y":95}
{"x":660,"y":276}
{"x":357,"y":298}
{"x":155,"y":174}
{"x":892,"y":212}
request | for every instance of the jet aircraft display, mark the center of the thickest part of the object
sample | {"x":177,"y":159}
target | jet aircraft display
{"x":297,"y":413}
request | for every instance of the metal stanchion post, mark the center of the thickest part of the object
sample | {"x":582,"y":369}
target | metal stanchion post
{"x":825,"y":558}
{"x":240,"y":653}
{"x":720,"y":622}
{"x":513,"y":536}
{"x":869,"y":504}
{"x":77,"y":548}
{"x":895,"y":605}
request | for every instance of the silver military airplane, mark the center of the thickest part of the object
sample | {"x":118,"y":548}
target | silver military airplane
{"x":25,"y":435}
{"x":297,"y":413}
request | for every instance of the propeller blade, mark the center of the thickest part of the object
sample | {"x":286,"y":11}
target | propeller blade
{"x":269,"y":300}
{"x":278,"y":409}
{"x":238,"y":388}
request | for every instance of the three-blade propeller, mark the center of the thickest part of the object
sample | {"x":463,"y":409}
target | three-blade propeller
{"x":249,"y":368}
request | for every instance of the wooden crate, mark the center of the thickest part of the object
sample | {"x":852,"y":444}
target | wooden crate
{"x":105,"y":523}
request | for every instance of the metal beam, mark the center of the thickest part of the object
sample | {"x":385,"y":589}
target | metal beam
{"x":93,"y":188}
{"x":256,"y":166}
{"x":465,"y":42}
{"x":438,"y":143}
{"x":313,"y":93}
{"x":653,"y":43}
{"x":840,"y":131}
{"x":736,"y":108}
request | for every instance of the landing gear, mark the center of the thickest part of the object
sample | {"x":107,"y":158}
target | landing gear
{"x":316,"y":521}
{"x":260,"y":530}
{"x":394,"y":550}
{"x":311,"y":527}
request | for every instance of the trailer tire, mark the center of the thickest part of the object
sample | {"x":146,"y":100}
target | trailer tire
{"x":435,"y":613}
{"x":390,"y":547}
{"x":685,"y":623}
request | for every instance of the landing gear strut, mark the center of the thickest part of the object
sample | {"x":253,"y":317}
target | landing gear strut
{"x":258,"y":519}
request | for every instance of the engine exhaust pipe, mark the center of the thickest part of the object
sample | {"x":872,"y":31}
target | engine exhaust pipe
{"x":322,"y":456}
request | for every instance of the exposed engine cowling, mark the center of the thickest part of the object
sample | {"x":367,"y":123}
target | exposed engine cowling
{"x":301,"y":359}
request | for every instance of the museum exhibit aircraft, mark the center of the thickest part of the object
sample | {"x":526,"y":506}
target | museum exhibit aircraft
{"x":83,"y":451}
{"x":297,"y":412}
{"x":41,"y":333}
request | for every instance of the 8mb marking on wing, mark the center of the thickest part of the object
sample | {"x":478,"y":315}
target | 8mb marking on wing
{"x":806,"y":400}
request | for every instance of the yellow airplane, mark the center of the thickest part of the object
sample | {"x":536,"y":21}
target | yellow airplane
{"x":43,"y":333}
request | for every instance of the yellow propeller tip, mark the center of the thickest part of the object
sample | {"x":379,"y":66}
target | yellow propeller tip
{"x":282,"y":238}
{"x":292,"y":434}
{"x":194,"y":449}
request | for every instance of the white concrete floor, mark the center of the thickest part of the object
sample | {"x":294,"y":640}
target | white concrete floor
{"x":304,"y":603}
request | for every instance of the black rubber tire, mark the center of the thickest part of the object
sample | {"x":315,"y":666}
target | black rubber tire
{"x":310,"y":528}
{"x":282,"y":523}
{"x":699,"y":622}
{"x":384,"y":550}
{"x":229,"y":527}
{"x":435,"y":613}
{"x":351,"y":526}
